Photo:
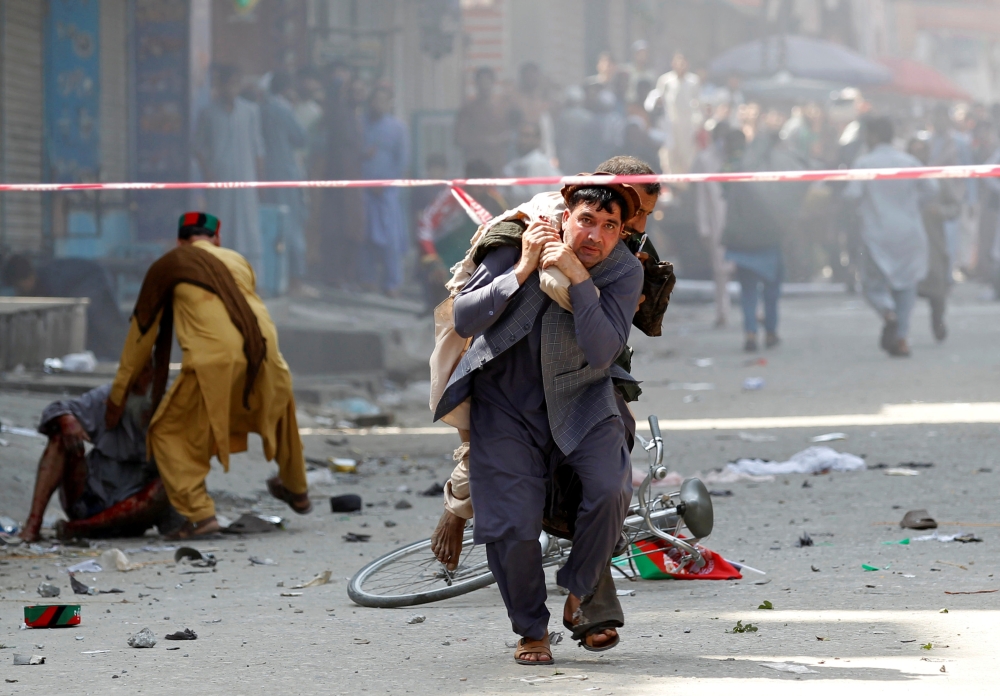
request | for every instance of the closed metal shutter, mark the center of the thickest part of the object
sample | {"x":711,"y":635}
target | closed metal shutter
{"x":114,"y":94}
{"x":21,"y":89}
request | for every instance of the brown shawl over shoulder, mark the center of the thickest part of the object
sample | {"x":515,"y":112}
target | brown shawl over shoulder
{"x":189,"y":264}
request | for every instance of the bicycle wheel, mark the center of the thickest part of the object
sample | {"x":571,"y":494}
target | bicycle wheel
{"x":411,"y":575}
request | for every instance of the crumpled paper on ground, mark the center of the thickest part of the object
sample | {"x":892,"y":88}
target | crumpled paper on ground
{"x":814,"y":460}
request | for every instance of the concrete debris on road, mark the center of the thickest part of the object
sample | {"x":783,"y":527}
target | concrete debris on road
{"x":416,"y":619}
{"x":142,"y":639}
{"x":48,"y":590}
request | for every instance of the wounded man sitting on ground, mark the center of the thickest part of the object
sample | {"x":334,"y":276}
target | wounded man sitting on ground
{"x":113,"y":490}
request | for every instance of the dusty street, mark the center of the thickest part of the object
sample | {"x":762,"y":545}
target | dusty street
{"x":878,"y":631}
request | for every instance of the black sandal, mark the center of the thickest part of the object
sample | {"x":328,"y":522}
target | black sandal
{"x":299,"y":502}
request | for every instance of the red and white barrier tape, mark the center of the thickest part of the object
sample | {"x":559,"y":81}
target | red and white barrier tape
{"x":983,"y":171}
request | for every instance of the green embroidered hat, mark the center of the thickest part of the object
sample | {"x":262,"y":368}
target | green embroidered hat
{"x":194,"y":223}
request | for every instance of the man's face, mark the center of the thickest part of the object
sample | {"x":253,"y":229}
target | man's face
{"x":591,"y":233}
{"x":647,"y":205}
{"x":680,"y":64}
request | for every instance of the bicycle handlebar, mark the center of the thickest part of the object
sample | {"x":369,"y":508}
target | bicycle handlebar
{"x":654,"y":427}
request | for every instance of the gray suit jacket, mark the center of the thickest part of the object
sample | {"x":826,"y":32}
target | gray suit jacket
{"x":577,"y":395}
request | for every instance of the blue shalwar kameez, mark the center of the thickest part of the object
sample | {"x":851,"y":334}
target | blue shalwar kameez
{"x":513,"y":450}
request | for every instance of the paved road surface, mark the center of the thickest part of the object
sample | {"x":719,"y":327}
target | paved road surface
{"x":853,"y":629}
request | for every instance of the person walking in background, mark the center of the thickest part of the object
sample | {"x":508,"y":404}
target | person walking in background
{"x":936,"y":211}
{"x":752,"y":239}
{"x":386,"y":156}
{"x":639,"y":72}
{"x":575,"y":133}
{"x":531,"y":105}
{"x":606,"y":70}
{"x":710,"y":203}
{"x":949,"y":147}
{"x":675,"y":99}
{"x":229,"y":146}
{"x":343,"y":209}
{"x":531,"y":162}
{"x":892,"y":229}
{"x":481,"y":126}
{"x":283,"y":136}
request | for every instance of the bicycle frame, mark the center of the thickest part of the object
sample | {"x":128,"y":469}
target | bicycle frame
{"x":644,"y":520}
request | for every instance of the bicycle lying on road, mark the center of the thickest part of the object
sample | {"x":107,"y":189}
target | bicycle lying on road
{"x":411,"y":575}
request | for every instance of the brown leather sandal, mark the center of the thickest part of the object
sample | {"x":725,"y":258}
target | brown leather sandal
{"x":299,"y":502}
{"x":526,"y":646}
{"x":189,"y":529}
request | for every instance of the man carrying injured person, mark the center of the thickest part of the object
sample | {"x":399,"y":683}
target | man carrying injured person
{"x":233,"y":380}
{"x":111,"y":491}
{"x":539,"y":378}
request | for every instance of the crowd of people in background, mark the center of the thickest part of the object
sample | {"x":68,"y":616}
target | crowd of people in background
{"x":896,"y":241}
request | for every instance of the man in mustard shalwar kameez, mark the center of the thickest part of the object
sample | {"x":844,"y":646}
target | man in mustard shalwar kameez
{"x":233,"y":380}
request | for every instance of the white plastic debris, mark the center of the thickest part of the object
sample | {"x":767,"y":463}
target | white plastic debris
{"x":691,"y":386}
{"x":901,"y":472}
{"x":555,"y":678}
{"x":88,"y":566}
{"x":946,"y":538}
{"x":829,"y":437}
{"x":320,"y":477}
{"x":79,"y":362}
{"x":756,"y":437}
{"x":790,"y":667}
{"x":29,"y":659}
{"x":813,"y":460}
